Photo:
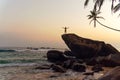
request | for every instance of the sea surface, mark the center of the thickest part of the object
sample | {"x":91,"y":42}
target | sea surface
{"x":23,"y":56}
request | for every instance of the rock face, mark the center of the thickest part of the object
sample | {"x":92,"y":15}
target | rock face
{"x":112,"y":75}
{"x":86,"y":48}
{"x":112,"y":60}
{"x":68,"y":53}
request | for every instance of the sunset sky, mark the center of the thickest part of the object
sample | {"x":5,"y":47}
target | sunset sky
{"x":39,"y":23}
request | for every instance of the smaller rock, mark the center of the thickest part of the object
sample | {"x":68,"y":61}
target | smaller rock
{"x":67,"y":64}
{"x":97,"y":68}
{"x":113,"y":74}
{"x":78,"y":67}
{"x":58,"y":68}
{"x":89,"y":77}
{"x":61,"y":63}
{"x":43,"y":67}
{"x":53,"y":76}
{"x":54,"y":56}
{"x":89,"y":73}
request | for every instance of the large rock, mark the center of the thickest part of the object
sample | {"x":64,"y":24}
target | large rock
{"x":86,"y":48}
{"x":112,"y":75}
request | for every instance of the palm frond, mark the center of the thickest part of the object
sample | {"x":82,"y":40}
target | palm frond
{"x":98,"y":4}
{"x":91,"y":21}
{"x":112,"y":5}
{"x":100,"y":17}
{"x":86,"y":2}
{"x":90,"y":16}
{"x":94,"y":16}
{"x":116,"y":8}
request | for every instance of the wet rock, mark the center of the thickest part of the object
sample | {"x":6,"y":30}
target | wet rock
{"x":54,"y":76}
{"x":97,"y":68}
{"x":43,"y":67}
{"x":55,"y":56}
{"x":114,"y":74}
{"x":68,"y":64}
{"x":78,"y":67}
{"x":58,"y":68}
{"x":61,"y":63}
{"x":83,"y":48}
{"x":89,"y":73}
{"x":89,"y":77}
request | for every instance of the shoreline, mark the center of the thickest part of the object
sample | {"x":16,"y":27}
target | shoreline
{"x":28,"y":72}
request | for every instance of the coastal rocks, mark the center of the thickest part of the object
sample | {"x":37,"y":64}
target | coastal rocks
{"x":84,"y":52}
{"x":67,"y":64}
{"x":62,"y":62}
{"x":58,"y":68}
{"x":83,"y":48}
{"x":97,"y":68}
{"x":55,"y":56}
{"x":43,"y":67}
{"x":78,"y":67}
{"x":112,"y":75}
{"x":70,"y":62}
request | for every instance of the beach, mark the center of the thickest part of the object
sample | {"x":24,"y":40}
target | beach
{"x":21,"y":65}
{"x":30,"y":73}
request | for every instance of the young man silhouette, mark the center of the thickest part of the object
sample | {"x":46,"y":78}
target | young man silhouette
{"x":65,"y":29}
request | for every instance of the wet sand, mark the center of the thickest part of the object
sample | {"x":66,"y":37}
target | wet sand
{"x":30,"y":73}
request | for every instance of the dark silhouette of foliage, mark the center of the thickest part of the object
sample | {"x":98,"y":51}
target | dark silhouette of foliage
{"x":94,"y":17}
{"x":98,"y":4}
{"x":96,"y":11}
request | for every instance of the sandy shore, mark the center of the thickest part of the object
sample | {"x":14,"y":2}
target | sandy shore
{"x":30,"y":73}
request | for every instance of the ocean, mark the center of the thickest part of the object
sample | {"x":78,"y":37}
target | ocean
{"x":23,"y":56}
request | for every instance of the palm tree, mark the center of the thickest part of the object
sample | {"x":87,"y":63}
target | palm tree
{"x":98,"y":4}
{"x":94,"y":17}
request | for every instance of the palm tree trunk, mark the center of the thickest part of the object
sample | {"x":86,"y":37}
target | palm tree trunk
{"x":94,"y":23}
{"x":107,"y":26}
